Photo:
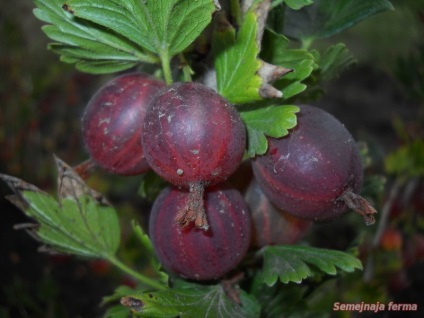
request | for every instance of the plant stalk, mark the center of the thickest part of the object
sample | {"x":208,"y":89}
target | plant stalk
{"x":394,"y":191}
{"x":369,"y":268}
{"x":166,"y":67}
{"x":140,"y":277}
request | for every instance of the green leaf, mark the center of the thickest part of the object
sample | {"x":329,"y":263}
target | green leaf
{"x":142,"y":236}
{"x":281,"y":300}
{"x":117,"y":311}
{"x":272,"y":121}
{"x":293,"y":4}
{"x":148,"y":248}
{"x":191,"y":300}
{"x":290,"y":263}
{"x":374,"y":186}
{"x":302,"y":62}
{"x":335,"y":59}
{"x":81,"y":222}
{"x":150,"y":185}
{"x":159,"y":26}
{"x":93,"y":48}
{"x":407,"y":160}
{"x":291,"y":84}
{"x":95,"y":67}
{"x":325,"y":17}
{"x":236,"y":61}
{"x":118,"y":293}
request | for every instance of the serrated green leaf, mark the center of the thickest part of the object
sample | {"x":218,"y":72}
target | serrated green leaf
{"x":335,"y":59}
{"x":118,"y":293}
{"x":82,"y":228}
{"x":291,"y":263}
{"x":85,"y":48}
{"x":281,"y":300}
{"x":292,"y":89}
{"x":80,"y":40}
{"x":291,"y":84}
{"x":293,"y":4}
{"x":160,"y":26}
{"x":191,"y":300}
{"x":272,"y":121}
{"x":81,"y":222}
{"x":98,"y":67}
{"x":325,"y":17}
{"x":119,"y":16}
{"x":236,"y":61}
{"x":302,"y":62}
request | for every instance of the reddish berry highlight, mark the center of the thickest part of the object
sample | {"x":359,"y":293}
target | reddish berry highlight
{"x":112,"y":123}
{"x":315,"y":171}
{"x":194,"y":253}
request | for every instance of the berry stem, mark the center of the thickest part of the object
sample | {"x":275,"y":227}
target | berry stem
{"x":360,"y":206}
{"x":194,"y":209}
{"x":230,"y":289}
{"x":85,"y":168}
{"x":140,"y":277}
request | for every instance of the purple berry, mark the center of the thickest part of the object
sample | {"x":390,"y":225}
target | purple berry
{"x":113,"y":120}
{"x":272,"y":226}
{"x":194,"y":253}
{"x":314,"y":171}
{"x":193,"y":138}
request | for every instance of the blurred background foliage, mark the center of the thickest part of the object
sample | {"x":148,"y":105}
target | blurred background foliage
{"x":380,"y":100}
{"x":41,"y":102}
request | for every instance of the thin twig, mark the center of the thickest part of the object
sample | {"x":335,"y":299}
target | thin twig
{"x":382,"y":224}
{"x":384,"y":216}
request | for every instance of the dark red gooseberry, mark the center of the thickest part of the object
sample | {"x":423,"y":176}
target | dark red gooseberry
{"x":195,"y":253}
{"x":193,"y":138}
{"x":315,"y":171}
{"x":112,"y":123}
{"x":272,"y":226}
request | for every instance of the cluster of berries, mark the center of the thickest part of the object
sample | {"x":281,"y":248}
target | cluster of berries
{"x":202,"y":227}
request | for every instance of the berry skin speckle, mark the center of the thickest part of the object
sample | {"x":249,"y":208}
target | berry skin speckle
{"x":113,"y":120}
{"x":195,"y":253}
{"x":315,"y":171}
